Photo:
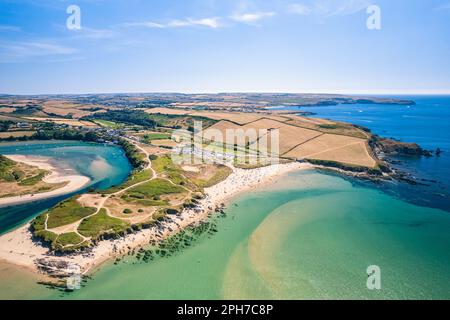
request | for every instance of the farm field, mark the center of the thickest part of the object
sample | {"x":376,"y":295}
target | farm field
{"x":70,"y":122}
{"x":301,"y":138}
{"x":335,"y":148}
{"x":164,"y":143}
{"x":16,"y":134}
{"x":108,"y":124}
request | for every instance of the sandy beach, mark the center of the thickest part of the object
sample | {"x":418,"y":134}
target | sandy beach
{"x":18,"y":248}
{"x":74,"y":182}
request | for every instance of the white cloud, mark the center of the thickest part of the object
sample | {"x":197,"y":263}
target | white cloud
{"x":206,"y":22}
{"x":329,"y":8}
{"x":299,"y":8}
{"x":144,"y":24}
{"x":91,"y":33}
{"x":188,"y":22}
{"x":251,"y":17}
{"x":41,"y":48}
{"x":22,"y":51}
{"x":6,"y":28}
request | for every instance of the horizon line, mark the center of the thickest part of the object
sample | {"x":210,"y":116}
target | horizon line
{"x":238,"y":92}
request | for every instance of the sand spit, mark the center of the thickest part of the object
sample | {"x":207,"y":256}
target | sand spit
{"x":74,"y":182}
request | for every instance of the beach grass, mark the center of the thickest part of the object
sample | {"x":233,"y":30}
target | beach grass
{"x":46,"y":236}
{"x":6,"y":169}
{"x":31,"y":181}
{"x":100,"y":224}
{"x":67,"y":212}
{"x":67,"y":239}
{"x":220,"y":174}
{"x":135,"y":177}
{"x":154,"y":188}
{"x":164,"y":165}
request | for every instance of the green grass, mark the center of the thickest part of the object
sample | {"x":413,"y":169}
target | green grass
{"x":135,"y":177}
{"x":46,"y":236}
{"x":153,"y":188}
{"x":161,"y":164}
{"x":66,"y":242}
{"x":100,"y":224}
{"x":346,"y":166}
{"x":330,"y":126}
{"x":31,"y":181}
{"x":5,"y":163}
{"x":67,"y":239}
{"x":165,"y":165}
{"x":10,"y":173}
{"x":156,"y":136}
{"x":109,"y":124}
{"x":180,"y":121}
{"x":220,"y":174}
{"x":343,"y":129}
{"x":67,"y":212}
{"x":7,"y":172}
{"x":145,"y":202}
{"x":38,"y":223}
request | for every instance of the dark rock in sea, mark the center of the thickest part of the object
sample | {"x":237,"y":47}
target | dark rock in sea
{"x":431,"y":181}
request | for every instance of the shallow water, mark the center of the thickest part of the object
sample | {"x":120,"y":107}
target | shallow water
{"x":308,"y":236}
{"x":106,"y":166}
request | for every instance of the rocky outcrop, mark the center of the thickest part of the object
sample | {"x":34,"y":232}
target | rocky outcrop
{"x":56,"y":268}
{"x":393,"y":147}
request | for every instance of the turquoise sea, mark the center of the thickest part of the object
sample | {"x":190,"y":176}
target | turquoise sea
{"x":311,"y":235}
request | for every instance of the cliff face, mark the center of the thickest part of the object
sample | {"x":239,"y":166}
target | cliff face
{"x":393,"y":147}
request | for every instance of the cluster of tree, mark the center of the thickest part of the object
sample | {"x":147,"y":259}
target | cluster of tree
{"x":65,"y":134}
{"x":134,"y":156}
{"x":28,"y":110}
{"x":134,"y":117}
{"x":93,"y":109}
{"x":20,"y":138}
{"x":67,"y":116}
{"x":48,"y":131}
{"x":154,"y":104}
{"x":5,"y":125}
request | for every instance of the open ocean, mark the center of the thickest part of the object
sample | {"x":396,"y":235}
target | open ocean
{"x":427,"y":123}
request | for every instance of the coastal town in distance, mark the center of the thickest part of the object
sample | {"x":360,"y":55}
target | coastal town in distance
{"x":223,"y":172}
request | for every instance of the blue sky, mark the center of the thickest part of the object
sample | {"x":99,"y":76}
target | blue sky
{"x":224,"y":46}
